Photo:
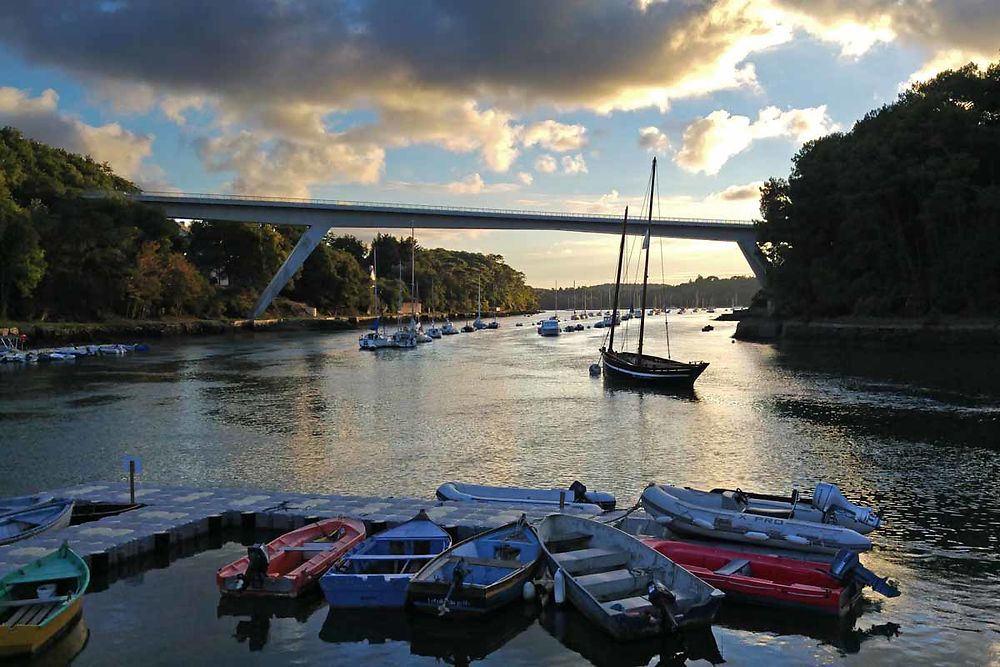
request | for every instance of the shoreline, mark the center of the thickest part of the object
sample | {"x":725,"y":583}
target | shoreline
{"x":138,"y":330}
{"x":911,"y":333}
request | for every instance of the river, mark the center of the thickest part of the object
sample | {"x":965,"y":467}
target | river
{"x":913,"y":433}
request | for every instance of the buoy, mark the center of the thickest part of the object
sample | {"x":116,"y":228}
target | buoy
{"x":560,"y":587}
{"x":595,"y":369}
{"x":528,"y":591}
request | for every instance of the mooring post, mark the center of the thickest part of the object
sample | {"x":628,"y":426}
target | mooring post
{"x":131,"y":481}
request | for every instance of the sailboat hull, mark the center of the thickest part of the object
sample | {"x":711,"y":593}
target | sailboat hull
{"x":650,"y":370}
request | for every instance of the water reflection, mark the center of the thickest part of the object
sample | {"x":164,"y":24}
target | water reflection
{"x":454,"y":643}
{"x":578,"y":634}
{"x":614,"y":385}
{"x":255,"y":615}
{"x":60,"y":653}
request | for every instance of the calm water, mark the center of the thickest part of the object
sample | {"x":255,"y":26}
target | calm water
{"x":917,"y":436}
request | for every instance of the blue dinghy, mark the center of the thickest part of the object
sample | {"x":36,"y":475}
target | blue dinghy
{"x":26,"y":521}
{"x":479,"y":575}
{"x":377,"y":572}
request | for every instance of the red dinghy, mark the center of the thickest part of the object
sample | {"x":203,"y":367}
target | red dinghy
{"x":288,"y":565}
{"x":764,"y":579}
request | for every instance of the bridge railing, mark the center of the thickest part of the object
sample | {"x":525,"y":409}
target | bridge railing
{"x":427,"y":208}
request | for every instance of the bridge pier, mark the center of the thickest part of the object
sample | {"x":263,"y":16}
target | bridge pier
{"x":755,"y":258}
{"x":307,"y":243}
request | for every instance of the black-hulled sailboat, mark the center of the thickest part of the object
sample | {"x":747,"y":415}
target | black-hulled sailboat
{"x":636,"y":367}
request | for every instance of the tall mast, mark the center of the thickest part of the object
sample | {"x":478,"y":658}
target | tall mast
{"x":618,"y":284}
{"x":413,"y":274}
{"x":645,"y":274}
{"x":479,"y":297}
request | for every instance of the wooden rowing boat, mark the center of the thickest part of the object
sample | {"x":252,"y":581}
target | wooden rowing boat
{"x":627,"y":588}
{"x":288,"y":565}
{"x":41,"y":601}
{"x":377,"y":572}
{"x":480,"y":575}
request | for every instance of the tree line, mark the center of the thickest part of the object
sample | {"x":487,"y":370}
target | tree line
{"x":64,"y":256}
{"x":704,"y":292}
{"x":898,"y":216}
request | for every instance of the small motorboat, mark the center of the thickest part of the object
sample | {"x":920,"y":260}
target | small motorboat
{"x":468,"y":328}
{"x":519,"y":324}
{"x":374,"y":340}
{"x":764,"y":579}
{"x":776,"y":581}
{"x":549,"y":327}
{"x":41,"y":602}
{"x":290,"y":564}
{"x":708,"y":327}
{"x":627,"y":588}
{"x":22,"y":522}
{"x":492,"y":324}
{"x":448,"y":329}
{"x":722,"y":516}
{"x":826,"y":505}
{"x":479,"y":575}
{"x":423,"y":337}
{"x":576,"y":494}
{"x":377,"y":572}
{"x":433,"y":331}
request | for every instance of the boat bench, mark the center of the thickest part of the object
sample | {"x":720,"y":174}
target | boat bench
{"x":487,"y":562}
{"x":391,"y":557}
{"x":585,"y":561}
{"x":627,"y":604}
{"x":32,"y":614}
{"x":312,"y":546}
{"x":735,"y":566}
{"x":566,"y":539}
{"x":614,"y":584}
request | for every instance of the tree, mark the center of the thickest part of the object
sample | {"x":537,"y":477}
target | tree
{"x":22,"y":260}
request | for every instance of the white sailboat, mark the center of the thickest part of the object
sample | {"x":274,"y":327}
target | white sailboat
{"x":374,"y":339}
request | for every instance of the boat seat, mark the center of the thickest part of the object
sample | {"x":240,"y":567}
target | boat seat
{"x":588,"y":561}
{"x":312,"y":546}
{"x":487,"y":562}
{"x":626,"y":604}
{"x":614,"y":584}
{"x":391,"y":557}
{"x":735,"y":566}
{"x":21,"y":603}
{"x":566,"y":540}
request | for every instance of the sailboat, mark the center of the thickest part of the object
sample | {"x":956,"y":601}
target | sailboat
{"x":404,"y":337}
{"x":636,"y":367}
{"x":479,"y":324}
{"x":374,"y":339}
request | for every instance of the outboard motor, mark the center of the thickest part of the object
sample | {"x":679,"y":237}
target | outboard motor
{"x":602,"y":499}
{"x":579,"y":492}
{"x":662,"y":598}
{"x":830,"y":500}
{"x":257,"y":566}
{"x":846,"y":567}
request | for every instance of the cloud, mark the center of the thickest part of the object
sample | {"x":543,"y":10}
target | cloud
{"x":653,"y":139}
{"x":574,"y":164}
{"x":281,"y":167}
{"x":473,"y":184}
{"x":545,"y":164}
{"x":945,"y":60}
{"x":739,"y":193}
{"x":709,"y":142}
{"x":555,"y":136}
{"x":525,"y":178}
{"x":40,"y":118}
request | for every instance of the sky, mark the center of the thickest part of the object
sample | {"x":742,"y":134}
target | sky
{"x":556,"y":105}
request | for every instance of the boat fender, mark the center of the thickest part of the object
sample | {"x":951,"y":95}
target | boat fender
{"x":796,"y":539}
{"x":595,"y":370}
{"x":704,"y":523}
{"x":755,"y":535}
{"x":528,"y":591}
{"x":559,"y":588}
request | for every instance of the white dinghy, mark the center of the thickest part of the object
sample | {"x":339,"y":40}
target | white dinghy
{"x":577,"y":494}
{"x":826,"y":505}
{"x":721,"y":516}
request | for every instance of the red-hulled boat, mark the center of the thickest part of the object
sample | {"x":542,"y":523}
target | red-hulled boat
{"x":764,"y":579}
{"x":288,"y":565}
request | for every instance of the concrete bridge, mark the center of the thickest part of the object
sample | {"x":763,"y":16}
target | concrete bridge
{"x":320,"y":216}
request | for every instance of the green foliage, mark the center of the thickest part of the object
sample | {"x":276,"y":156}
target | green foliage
{"x":703,"y":291}
{"x":900,"y":215}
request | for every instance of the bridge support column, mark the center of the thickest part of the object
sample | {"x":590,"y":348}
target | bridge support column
{"x":755,"y":258}
{"x":307,"y":243}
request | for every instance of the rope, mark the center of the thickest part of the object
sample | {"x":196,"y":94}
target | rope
{"x":637,"y":505}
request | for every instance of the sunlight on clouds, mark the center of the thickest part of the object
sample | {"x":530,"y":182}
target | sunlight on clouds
{"x":653,"y":140}
{"x":545,"y":164}
{"x":574,"y":164}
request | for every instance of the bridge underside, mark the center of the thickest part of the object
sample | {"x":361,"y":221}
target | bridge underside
{"x":319,"y":219}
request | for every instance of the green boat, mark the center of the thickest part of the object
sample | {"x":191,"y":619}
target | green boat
{"x":41,"y":601}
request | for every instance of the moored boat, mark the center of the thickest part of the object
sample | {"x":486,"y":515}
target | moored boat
{"x":764,"y":579}
{"x":549,"y":327}
{"x":377,"y":572}
{"x":826,"y":505}
{"x":448,"y":329}
{"x":576,"y":494}
{"x":27,"y":521}
{"x":627,"y":588}
{"x":480,"y":575}
{"x":288,"y":565}
{"x":721,"y":516}
{"x":41,"y":601}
